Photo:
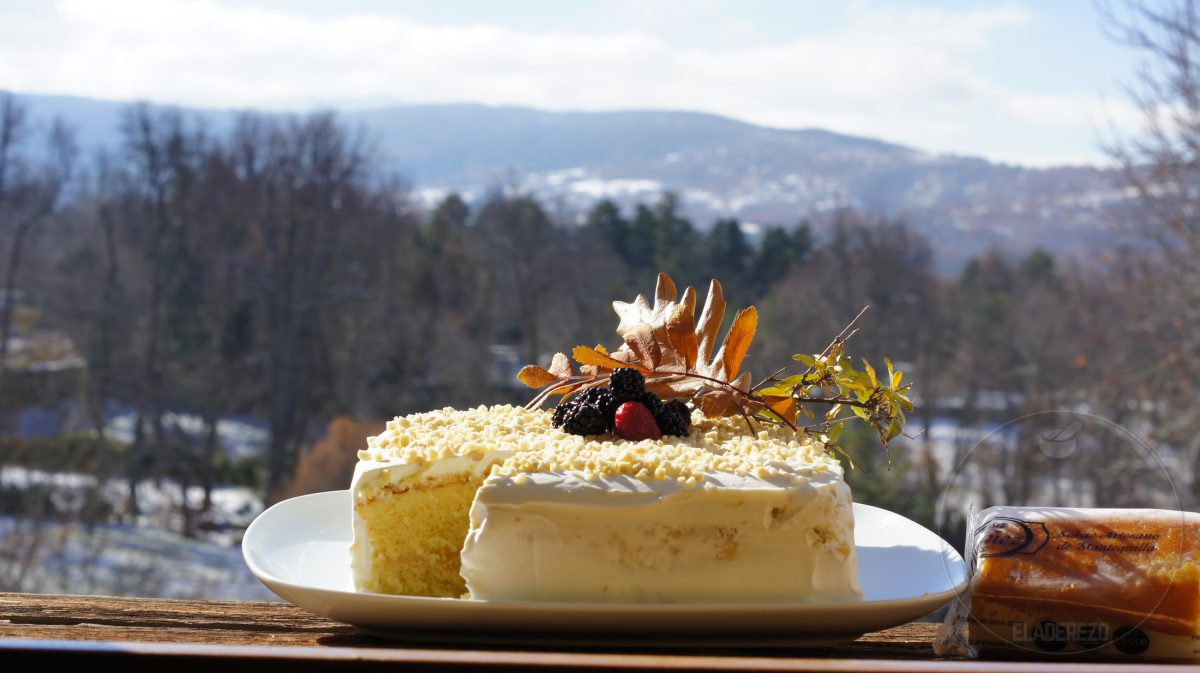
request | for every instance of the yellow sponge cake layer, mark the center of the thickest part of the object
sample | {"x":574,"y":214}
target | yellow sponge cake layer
{"x":412,"y":489}
{"x":416,"y":539}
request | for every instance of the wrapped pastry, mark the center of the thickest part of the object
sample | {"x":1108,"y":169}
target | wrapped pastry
{"x":1060,"y":581}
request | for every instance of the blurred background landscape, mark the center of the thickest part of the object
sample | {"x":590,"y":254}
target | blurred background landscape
{"x":207,"y":303}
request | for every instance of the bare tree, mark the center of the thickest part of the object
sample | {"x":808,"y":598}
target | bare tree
{"x":307,"y":196}
{"x":526,"y":259}
{"x":161,"y":154}
{"x":29,"y":193}
{"x":1163,"y":164}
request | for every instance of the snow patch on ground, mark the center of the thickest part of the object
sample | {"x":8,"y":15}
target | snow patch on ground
{"x":49,"y":550}
{"x":238,"y":438}
{"x":600,"y":188}
{"x":62,"y":557}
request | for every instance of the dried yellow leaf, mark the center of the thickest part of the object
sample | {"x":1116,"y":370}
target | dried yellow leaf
{"x":585,"y":355}
{"x":535,"y":377}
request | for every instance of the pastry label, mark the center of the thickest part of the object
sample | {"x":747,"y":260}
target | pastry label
{"x":1009,"y":536}
{"x":1109,"y":540}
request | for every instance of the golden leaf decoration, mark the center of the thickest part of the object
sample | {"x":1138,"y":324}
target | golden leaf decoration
{"x":560,"y":366}
{"x":640,"y":310}
{"x":677,"y":354}
{"x":745,"y":325}
{"x":783,"y":407}
{"x":682,"y":356}
{"x":717,"y":401}
{"x":594,"y":358}
{"x":710,"y":319}
{"x":641,"y":340}
{"x":535,"y":377}
{"x":681,"y":330}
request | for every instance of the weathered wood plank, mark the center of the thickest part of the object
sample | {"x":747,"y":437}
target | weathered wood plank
{"x":158,"y":620}
{"x":139,"y":633}
{"x":43,"y":609}
{"x":895,"y":643}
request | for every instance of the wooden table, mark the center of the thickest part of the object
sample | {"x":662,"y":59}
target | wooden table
{"x":168,"y":636}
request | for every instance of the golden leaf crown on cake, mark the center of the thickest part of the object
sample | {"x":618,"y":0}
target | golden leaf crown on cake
{"x":678,"y":356}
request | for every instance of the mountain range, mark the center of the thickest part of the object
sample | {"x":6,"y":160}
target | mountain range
{"x":718,"y":166}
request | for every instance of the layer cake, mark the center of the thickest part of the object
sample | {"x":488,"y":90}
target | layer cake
{"x":496,"y":503}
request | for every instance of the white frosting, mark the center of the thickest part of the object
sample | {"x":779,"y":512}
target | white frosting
{"x":567,"y":536}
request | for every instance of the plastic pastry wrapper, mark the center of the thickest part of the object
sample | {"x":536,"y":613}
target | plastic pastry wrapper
{"x":1064,"y":582}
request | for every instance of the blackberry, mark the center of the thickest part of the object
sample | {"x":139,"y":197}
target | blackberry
{"x":626,"y":384}
{"x":560,"y":413}
{"x":676,"y":419}
{"x":680,"y":407}
{"x":652,"y":402}
{"x":585,"y":419}
{"x":602,"y":399}
{"x":588,"y":413}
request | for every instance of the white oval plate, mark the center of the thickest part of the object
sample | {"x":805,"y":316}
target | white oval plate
{"x":300,"y":549}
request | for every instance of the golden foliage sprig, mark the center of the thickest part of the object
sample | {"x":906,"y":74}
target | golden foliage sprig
{"x":679,"y":356}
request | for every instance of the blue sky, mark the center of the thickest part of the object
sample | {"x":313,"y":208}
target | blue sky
{"x":1028,"y":82}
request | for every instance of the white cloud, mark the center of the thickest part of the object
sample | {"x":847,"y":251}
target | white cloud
{"x":900,"y":74}
{"x":965,"y":31}
{"x":1073,"y":108}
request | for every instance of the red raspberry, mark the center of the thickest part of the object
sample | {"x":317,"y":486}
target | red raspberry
{"x":634,"y":421}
